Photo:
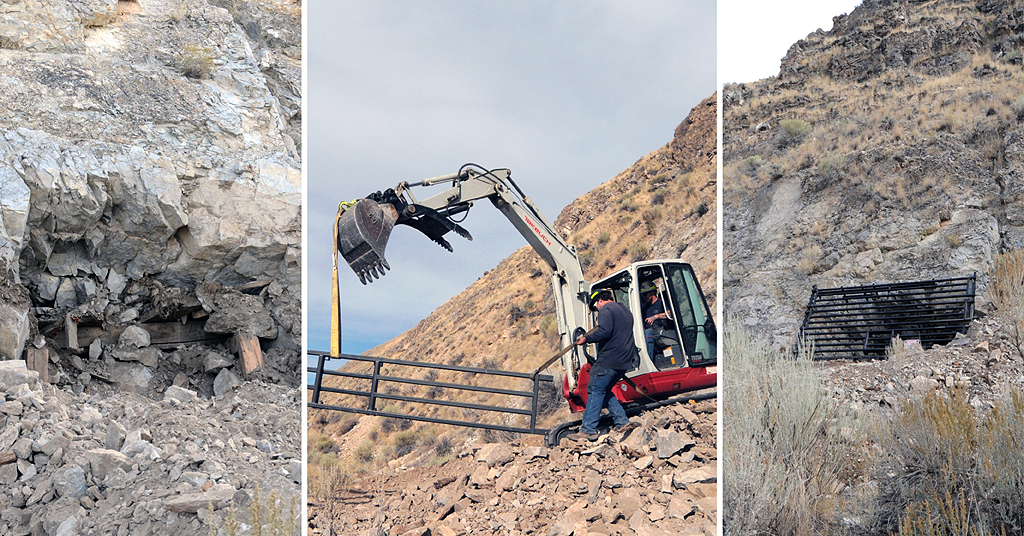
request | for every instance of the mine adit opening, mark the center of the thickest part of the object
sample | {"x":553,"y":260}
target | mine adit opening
{"x":860,"y":322}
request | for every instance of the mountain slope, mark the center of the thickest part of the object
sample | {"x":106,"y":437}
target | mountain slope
{"x":889,"y":148}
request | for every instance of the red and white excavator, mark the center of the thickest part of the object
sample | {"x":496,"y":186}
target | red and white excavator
{"x":685,"y":351}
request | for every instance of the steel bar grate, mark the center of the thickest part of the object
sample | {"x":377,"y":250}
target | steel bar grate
{"x":859,"y":322}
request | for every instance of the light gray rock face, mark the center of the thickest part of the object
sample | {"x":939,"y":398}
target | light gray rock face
{"x":14,"y":320}
{"x":146,"y":140}
{"x":14,"y":373}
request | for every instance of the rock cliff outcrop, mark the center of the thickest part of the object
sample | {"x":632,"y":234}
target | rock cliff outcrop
{"x":150,"y":233}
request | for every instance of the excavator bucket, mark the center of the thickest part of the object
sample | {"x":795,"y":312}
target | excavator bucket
{"x":363,"y":232}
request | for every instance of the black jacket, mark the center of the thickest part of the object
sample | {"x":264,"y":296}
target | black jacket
{"x":614,"y":337}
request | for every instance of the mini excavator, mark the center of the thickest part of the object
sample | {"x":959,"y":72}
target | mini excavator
{"x":685,"y":352}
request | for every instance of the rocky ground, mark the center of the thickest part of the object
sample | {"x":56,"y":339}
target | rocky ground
{"x":658,"y":479}
{"x":114,"y":462}
{"x":985,"y":362}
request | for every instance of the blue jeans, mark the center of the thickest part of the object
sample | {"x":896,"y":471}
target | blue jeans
{"x":649,"y":333}
{"x":600,"y":395}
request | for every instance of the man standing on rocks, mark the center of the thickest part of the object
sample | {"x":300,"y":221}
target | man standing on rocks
{"x":615,"y":351}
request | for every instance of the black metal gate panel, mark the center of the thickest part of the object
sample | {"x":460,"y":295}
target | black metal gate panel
{"x":373,"y":391}
{"x":859,"y":322}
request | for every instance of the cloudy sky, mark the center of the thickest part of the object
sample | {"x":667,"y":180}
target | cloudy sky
{"x":565,"y":94}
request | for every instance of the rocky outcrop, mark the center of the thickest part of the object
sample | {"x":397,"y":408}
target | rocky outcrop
{"x":887,"y":149}
{"x":147,"y":142}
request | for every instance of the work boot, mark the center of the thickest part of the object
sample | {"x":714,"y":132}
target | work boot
{"x":625,"y":429}
{"x":583,"y":436}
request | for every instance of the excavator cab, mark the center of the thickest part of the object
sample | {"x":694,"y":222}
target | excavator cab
{"x":684,"y":350}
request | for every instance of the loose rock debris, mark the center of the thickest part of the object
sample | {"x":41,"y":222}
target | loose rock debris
{"x":658,"y":479}
{"x":118,"y":463}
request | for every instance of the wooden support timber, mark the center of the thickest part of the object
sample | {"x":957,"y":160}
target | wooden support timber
{"x":161,"y":334}
{"x":37,"y":359}
{"x":247,"y":347}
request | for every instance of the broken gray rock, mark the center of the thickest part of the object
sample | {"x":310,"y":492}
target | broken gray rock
{"x":95,"y":349}
{"x":700,"y":475}
{"x":669,"y":443}
{"x":231,"y":311}
{"x":495,"y":454}
{"x":141,"y":449}
{"x":115,"y":436}
{"x":219,"y":495}
{"x":180,"y":395}
{"x":15,"y":372}
{"x":224,"y":382}
{"x":215,"y":361}
{"x":104,"y":462}
{"x":14,"y":320}
{"x":134,"y":336}
{"x":66,"y":295}
{"x":71,"y":482}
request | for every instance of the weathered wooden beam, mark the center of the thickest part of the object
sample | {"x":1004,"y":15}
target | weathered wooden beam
{"x":7,"y":457}
{"x":161,"y":334}
{"x":36,"y":359}
{"x":248,"y":349}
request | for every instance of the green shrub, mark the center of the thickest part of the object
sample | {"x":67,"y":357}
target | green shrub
{"x":786,"y":455}
{"x":795,"y":128}
{"x":404,"y":442}
{"x":958,"y":471}
{"x":659,"y":197}
{"x":604,"y":237}
{"x":195,"y":61}
{"x":323,"y":444}
{"x":701,"y":209}
{"x":750,"y":165}
{"x":949,"y":123}
{"x":638,"y":252}
{"x":831,"y":163}
{"x":651,"y":217}
{"x":549,"y":326}
{"x":365,"y":451}
{"x":1006,"y":291}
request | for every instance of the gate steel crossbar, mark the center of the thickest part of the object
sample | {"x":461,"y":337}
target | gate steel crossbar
{"x":859,"y":322}
{"x":376,"y":377}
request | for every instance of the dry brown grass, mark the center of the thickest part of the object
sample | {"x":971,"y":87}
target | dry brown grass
{"x":1006,"y":290}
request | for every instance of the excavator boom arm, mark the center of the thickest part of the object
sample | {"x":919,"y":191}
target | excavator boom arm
{"x":364,"y":228}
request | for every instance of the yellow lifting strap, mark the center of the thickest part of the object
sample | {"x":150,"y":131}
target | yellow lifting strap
{"x":335,"y":298}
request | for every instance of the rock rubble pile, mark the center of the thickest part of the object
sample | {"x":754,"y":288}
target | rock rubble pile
{"x":118,"y":463}
{"x":658,"y":479}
